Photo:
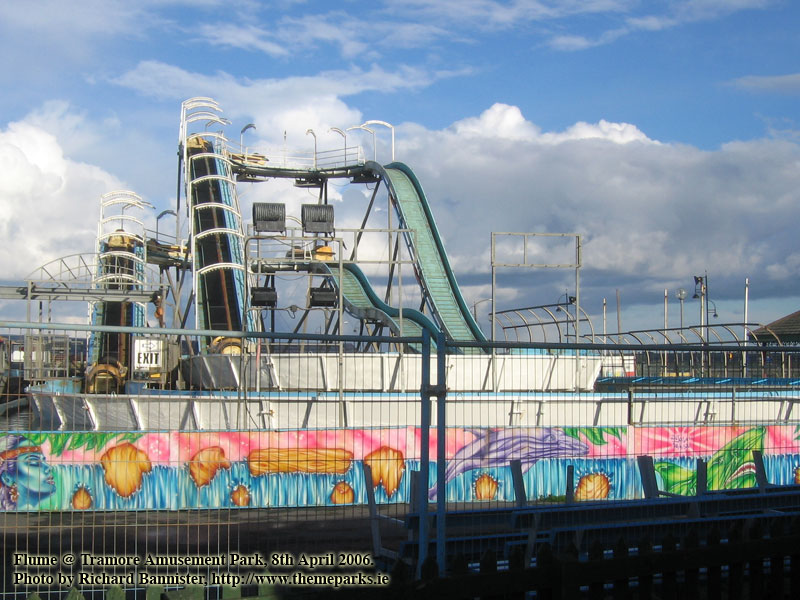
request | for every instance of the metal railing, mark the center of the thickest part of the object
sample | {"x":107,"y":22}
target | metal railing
{"x":249,"y":450}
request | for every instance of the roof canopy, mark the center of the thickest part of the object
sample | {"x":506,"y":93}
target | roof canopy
{"x":786,"y":328}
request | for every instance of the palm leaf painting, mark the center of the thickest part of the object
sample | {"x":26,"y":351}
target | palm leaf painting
{"x":730,"y":467}
{"x":89,"y":440}
{"x":594,"y":435}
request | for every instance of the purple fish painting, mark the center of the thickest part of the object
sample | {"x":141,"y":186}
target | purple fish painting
{"x":498,"y":447}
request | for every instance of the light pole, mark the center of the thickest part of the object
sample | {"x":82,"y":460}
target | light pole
{"x":372,"y":131}
{"x":475,"y":308}
{"x":385,"y":124}
{"x":163,"y":213}
{"x":568,"y":301}
{"x":714,"y":304}
{"x":701,"y":291}
{"x":681,"y":295}
{"x":314,"y":135}
{"x":344,"y":135}
{"x":241,"y":135}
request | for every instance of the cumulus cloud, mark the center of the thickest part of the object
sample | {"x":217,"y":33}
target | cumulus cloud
{"x":650,"y":213}
{"x":49,"y":204}
{"x":290,"y":105}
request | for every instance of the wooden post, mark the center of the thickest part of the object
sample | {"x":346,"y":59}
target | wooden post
{"x":756,"y":562}
{"x":646,"y":578}
{"x":647,"y":473}
{"x":794,"y":560}
{"x":713,"y":544}
{"x":736,"y":566}
{"x":775,"y":586}
{"x":621,"y":588}
{"x":595,"y":559}
{"x":692,"y":573}
{"x":668,"y":574}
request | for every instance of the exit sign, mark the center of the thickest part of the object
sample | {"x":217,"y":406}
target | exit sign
{"x":147,"y":354}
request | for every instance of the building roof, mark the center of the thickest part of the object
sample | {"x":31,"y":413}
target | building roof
{"x":787,"y":329}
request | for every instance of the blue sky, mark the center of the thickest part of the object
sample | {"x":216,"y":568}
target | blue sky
{"x":666,"y":133}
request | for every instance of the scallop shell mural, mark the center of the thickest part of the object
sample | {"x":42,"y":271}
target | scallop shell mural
{"x":387,"y":467}
{"x":124,"y":465}
{"x":204,"y":465}
{"x":485,"y":487}
{"x":82,"y":499}
{"x":343,"y":493}
{"x":240,"y":495}
{"x":594,"y":486}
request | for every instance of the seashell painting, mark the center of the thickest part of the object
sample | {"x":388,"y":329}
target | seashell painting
{"x":240,"y":495}
{"x":124,"y":466}
{"x":81,"y":499}
{"x":204,"y":465}
{"x":594,"y":486}
{"x":343,"y":493}
{"x":485,"y":487}
{"x":387,"y":467}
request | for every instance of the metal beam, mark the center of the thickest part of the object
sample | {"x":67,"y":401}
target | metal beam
{"x":22,"y":292}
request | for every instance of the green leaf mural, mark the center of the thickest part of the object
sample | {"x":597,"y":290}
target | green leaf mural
{"x":594,"y":435}
{"x":677,"y":480}
{"x":730,"y":467}
{"x":88,"y":440}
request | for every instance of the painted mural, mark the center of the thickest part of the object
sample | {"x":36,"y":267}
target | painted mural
{"x":171,"y":470}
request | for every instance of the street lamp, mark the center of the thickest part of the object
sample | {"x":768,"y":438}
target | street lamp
{"x":475,"y":308}
{"x":164,"y":213}
{"x":344,"y":135}
{"x":241,"y":135}
{"x":311,"y":131}
{"x":568,"y":301}
{"x":681,"y":295}
{"x":372,"y":131}
{"x":714,"y":304}
{"x":701,"y":291}
{"x":385,"y":124}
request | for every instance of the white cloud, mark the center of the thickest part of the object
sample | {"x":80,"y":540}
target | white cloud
{"x":290,"y":105}
{"x":49,"y":204}
{"x":505,"y":122}
{"x":649,"y":212}
{"x":246,"y":37}
{"x":785,"y":84}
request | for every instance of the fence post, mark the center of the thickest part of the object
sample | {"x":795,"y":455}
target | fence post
{"x":520,"y":495}
{"x":669,"y":573}
{"x":761,"y":472}
{"x":646,"y":577}
{"x":648,"y":474}
{"x":756,"y":562}
{"x":713,"y":543}
{"x":441,"y":448}
{"x":794,"y":560}
{"x":425,"y":457}
{"x":549,"y":572}
{"x":569,"y":494}
{"x":621,"y":584}
{"x":775,"y":587}
{"x":702,"y":477}
{"x":595,"y":560}
{"x":736,"y":565}
{"x":691,"y":542}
